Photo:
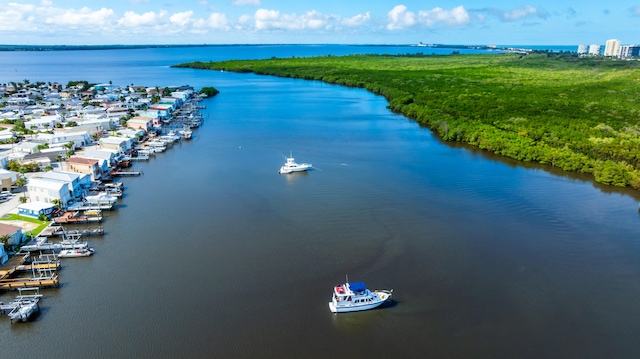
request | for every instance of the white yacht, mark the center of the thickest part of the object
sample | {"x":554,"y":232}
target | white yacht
{"x":353,"y":297}
{"x":291,"y":166}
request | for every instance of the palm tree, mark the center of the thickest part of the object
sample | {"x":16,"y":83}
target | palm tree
{"x":20,"y":183}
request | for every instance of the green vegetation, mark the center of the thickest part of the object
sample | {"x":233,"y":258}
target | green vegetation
{"x":578,"y":114}
{"x":209,"y":91}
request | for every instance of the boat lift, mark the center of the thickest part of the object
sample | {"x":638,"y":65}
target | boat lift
{"x":23,"y":306}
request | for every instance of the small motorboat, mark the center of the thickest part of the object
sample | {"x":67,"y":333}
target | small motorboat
{"x":76,"y":252}
{"x":353,"y":297}
{"x":291,"y":166}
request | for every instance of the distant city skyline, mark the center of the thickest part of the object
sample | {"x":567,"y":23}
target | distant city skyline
{"x":498,"y":22}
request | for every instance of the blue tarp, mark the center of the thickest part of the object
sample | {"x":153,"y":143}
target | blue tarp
{"x":357,"y":286}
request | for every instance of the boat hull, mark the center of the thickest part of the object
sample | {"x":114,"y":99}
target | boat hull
{"x":378,"y":298}
{"x":71,"y":253}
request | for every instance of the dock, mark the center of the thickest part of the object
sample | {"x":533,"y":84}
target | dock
{"x":125,"y":173}
{"x":17,"y":283}
{"x":90,"y":216}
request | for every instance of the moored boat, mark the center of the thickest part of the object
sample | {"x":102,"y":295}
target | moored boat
{"x":77,"y":252}
{"x":291,"y":166}
{"x":353,"y":297}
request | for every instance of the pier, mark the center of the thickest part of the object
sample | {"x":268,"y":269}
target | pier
{"x":90,"y":216}
{"x":125,"y":173}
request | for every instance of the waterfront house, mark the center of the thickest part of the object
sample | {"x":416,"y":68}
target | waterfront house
{"x":162,"y":110}
{"x":77,"y":183}
{"x":15,"y":236}
{"x":8,"y":179}
{"x":132,"y":134}
{"x":107,"y":156}
{"x":120,"y":144}
{"x":140,"y":122}
{"x":36,"y":209}
{"x":84,"y":165}
{"x":45,"y":190}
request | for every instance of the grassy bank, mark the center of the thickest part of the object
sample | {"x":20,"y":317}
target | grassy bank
{"x":577,"y":114}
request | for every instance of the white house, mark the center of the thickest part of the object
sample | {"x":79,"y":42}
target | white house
{"x":45,"y":190}
{"x":58,"y":139}
{"x":8,"y":179}
{"x":119,"y":144}
{"x":109,"y":156}
{"x":44,"y":122}
{"x":77,"y":182}
{"x":35,"y":209}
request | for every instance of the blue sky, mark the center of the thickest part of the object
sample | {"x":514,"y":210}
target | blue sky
{"x":491,"y":22}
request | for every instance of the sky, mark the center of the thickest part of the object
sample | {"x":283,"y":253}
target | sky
{"x":391,"y":22}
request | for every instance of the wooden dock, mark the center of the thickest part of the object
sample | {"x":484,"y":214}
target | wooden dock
{"x":75,"y":217}
{"x":15,"y":283}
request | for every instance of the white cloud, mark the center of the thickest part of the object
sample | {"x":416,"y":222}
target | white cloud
{"x":399,"y":18}
{"x":523,"y":12}
{"x":246,"y":3}
{"x":46,"y":3}
{"x":181,"y":18}
{"x":635,"y":11}
{"x":132,"y":19}
{"x":273,"y":20}
{"x":357,"y":20}
{"x":455,"y":17}
{"x":82,"y":17}
{"x":217,"y":21}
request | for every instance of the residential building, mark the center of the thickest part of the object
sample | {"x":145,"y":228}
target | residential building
{"x":612,"y":48}
{"x":45,"y":190}
{"x":628,"y":51}
{"x":106,"y":158}
{"x":8,"y":179}
{"x":77,"y":182}
{"x":84,"y":165}
{"x":119,"y":144}
{"x":594,"y":50}
{"x":35,"y":209}
{"x":14,"y":233}
{"x":582,"y":49}
{"x":140,"y":122}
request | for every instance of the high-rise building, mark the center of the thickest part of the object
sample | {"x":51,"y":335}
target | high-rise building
{"x":628,"y":51}
{"x":594,"y":49}
{"x":612,"y":48}
{"x":582,"y":49}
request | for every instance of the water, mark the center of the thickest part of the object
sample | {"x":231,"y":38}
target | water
{"x":212,"y":253}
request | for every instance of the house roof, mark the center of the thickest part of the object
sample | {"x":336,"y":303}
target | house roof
{"x":82,"y":160}
{"x":7,"y":229}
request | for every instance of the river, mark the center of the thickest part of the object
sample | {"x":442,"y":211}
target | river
{"x":212,"y":253}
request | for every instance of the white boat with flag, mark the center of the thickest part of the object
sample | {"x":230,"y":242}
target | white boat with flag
{"x":353,"y":297}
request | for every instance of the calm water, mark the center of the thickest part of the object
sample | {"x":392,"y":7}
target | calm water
{"x":212,"y":253}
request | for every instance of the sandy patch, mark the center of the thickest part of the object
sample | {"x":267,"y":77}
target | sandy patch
{"x":26,"y":226}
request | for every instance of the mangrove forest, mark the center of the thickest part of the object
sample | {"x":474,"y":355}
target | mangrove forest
{"x":578,"y":114}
